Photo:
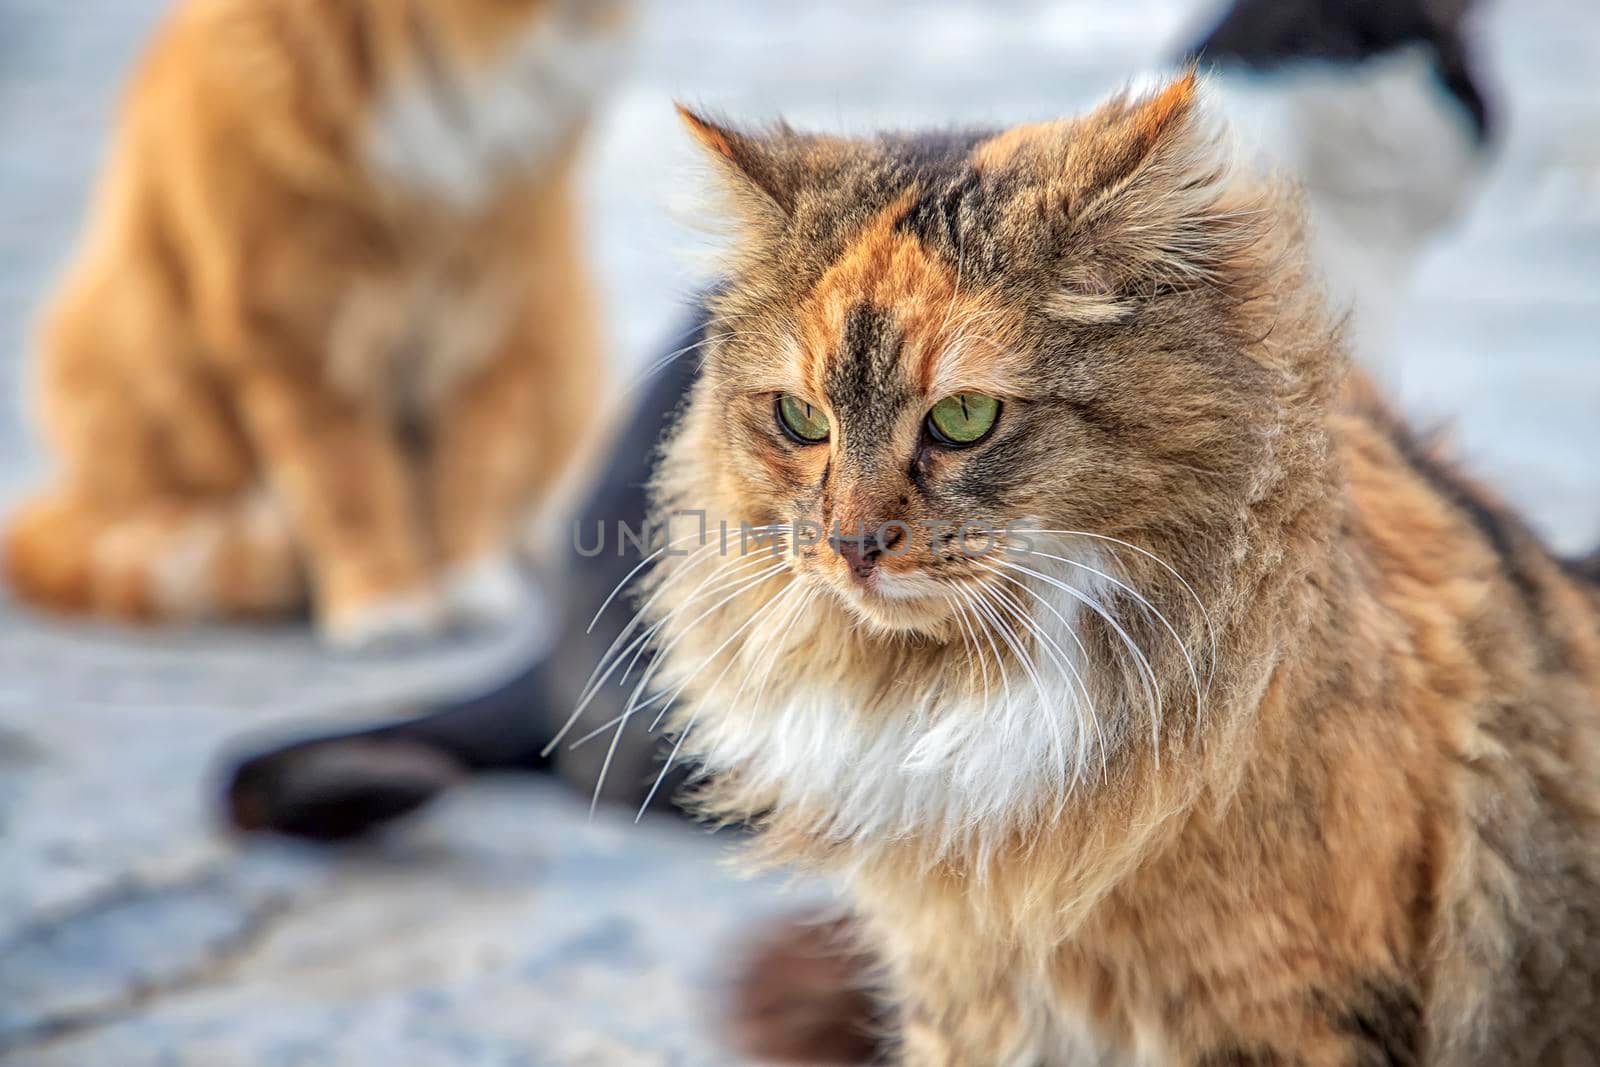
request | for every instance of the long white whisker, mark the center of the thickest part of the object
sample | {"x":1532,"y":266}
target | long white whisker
{"x":966,"y":595}
{"x":755,"y":617}
{"x":772,"y":660}
{"x":732,"y":574}
{"x":1170,"y":569}
{"x":768,"y":650}
{"x":660,"y":364}
{"x":1194,"y":672}
{"x":1065,"y":661}
{"x":579,"y":742}
{"x":642,"y":564}
{"x":615,"y":658}
{"x":736,"y":573}
{"x":650,"y":672}
{"x":612,"y":658}
{"x":1085,"y":700}
{"x":969,"y":639}
{"x":730,"y":564}
{"x":1099,"y":609}
{"x":996,"y":599}
{"x":663,"y":695}
{"x":683,"y":734}
{"x":986,"y":603}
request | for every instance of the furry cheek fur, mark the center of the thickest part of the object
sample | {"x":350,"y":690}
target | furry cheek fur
{"x":329,"y":337}
{"x":1187,"y":761}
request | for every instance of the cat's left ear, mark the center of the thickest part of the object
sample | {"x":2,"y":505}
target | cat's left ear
{"x":1143,"y":196}
{"x":766,"y":170}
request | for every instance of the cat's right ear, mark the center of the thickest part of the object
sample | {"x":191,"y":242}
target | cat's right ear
{"x":765,"y":171}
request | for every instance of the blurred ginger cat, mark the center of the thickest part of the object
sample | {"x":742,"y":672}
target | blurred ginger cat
{"x":1236,"y":729}
{"x":330,"y":333}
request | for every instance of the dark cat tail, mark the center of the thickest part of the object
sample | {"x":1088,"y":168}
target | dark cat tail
{"x":807,"y":991}
{"x":1589,"y":566}
{"x":340,"y":786}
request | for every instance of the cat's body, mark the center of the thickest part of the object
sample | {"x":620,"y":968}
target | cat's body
{"x":329,"y":334}
{"x":1280,"y":749}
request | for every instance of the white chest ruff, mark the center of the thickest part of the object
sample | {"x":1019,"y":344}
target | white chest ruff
{"x":953,"y":767}
{"x":456,"y":134}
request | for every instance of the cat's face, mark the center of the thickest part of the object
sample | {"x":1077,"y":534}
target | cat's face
{"x":929,"y":347}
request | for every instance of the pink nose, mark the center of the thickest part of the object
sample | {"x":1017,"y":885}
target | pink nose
{"x":862,"y":553}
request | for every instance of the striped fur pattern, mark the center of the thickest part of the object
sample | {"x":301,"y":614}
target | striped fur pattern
{"x":329,"y":335}
{"x":1257,"y":736}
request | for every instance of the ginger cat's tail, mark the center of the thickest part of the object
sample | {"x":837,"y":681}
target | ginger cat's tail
{"x":176,"y":561}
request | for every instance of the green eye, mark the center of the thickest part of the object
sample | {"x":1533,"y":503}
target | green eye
{"x":963,"y":419}
{"x":801,"y":421}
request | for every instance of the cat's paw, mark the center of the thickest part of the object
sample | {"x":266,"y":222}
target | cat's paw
{"x":490,"y":591}
{"x":391,"y":623}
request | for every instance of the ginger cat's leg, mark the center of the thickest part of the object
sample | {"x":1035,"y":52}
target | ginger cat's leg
{"x":503,"y":439}
{"x":486,"y":457}
{"x":349,"y":490}
{"x":158,"y":512}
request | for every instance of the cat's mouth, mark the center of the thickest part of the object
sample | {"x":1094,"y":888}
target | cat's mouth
{"x":900,"y":600}
{"x":893,"y":589}
{"x":903,"y":586}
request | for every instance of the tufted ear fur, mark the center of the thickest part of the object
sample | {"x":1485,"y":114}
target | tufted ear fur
{"x":1140,"y":196}
{"x":765,"y":170}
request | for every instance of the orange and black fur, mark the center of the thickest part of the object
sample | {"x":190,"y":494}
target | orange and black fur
{"x":1244,"y":732}
{"x":329,"y":335}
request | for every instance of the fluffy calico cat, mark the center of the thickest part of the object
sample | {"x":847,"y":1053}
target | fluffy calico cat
{"x":329,"y":333}
{"x":1233,"y":728}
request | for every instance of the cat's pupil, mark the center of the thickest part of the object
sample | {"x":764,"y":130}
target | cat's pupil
{"x":800,"y":421}
{"x":963,"y":419}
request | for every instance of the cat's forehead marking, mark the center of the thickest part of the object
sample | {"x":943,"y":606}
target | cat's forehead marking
{"x":865,"y":381}
{"x":893,"y":319}
{"x":876,"y":316}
